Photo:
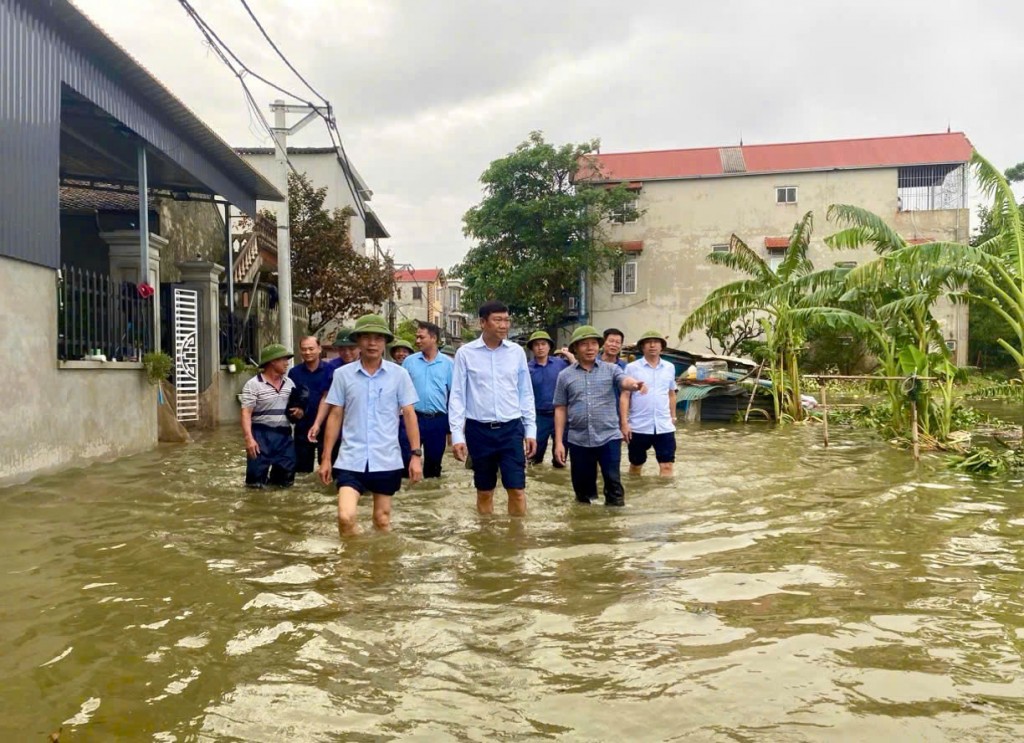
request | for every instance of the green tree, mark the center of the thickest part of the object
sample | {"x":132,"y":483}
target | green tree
{"x":985,"y":326}
{"x":538,"y":228}
{"x":337,"y":281}
{"x":406,"y":330}
{"x":787,"y":302}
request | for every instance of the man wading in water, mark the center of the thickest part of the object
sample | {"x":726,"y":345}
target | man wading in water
{"x":491,"y":411}
{"x":265,"y":421}
{"x":586,"y":398}
{"x":366,"y":398}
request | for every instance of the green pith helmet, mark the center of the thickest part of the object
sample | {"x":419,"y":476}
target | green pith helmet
{"x":273,"y":352}
{"x":652,"y":335}
{"x":371,"y":324}
{"x":400,"y":343}
{"x":540,"y":335}
{"x":583,"y":333}
{"x":448,"y":350}
{"x":342,"y":340}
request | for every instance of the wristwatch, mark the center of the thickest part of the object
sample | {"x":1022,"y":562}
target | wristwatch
{"x":417,"y":452}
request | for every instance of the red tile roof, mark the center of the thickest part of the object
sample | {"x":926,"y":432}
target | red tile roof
{"x":776,"y":243}
{"x":422,"y":275}
{"x":878,"y":152}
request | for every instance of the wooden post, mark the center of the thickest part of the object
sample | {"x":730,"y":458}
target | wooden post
{"x":913,"y":431}
{"x":824,"y":410}
{"x":753,"y":392}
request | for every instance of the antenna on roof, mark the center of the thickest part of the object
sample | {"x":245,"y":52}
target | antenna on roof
{"x":949,"y":127}
{"x":741,"y":138}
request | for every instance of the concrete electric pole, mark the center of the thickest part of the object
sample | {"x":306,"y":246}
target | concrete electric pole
{"x":281,"y":130}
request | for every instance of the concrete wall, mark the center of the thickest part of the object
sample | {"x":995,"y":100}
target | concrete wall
{"x":323,"y":170}
{"x":194,"y":230}
{"x":60,"y":417}
{"x":229,"y":411}
{"x":683,"y":219}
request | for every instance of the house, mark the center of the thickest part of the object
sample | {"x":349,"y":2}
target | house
{"x":323,"y":167}
{"x":692,"y":200}
{"x":456,"y":321}
{"x":93,"y":151}
{"x":419,"y":295}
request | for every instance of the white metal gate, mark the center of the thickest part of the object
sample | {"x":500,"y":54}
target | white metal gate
{"x":186,"y":353}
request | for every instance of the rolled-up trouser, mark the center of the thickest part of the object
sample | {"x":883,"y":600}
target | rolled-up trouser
{"x":275,"y":464}
{"x":583,"y":463}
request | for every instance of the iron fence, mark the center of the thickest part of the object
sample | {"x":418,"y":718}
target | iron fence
{"x":97,"y":313}
{"x":931,"y":187}
{"x":239,"y":337}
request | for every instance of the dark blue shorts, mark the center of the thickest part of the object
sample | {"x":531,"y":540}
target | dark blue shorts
{"x":664,"y":447}
{"x":497,"y":447}
{"x":378,"y":483}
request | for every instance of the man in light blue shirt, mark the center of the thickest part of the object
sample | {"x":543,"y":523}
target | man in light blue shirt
{"x":366,"y":398}
{"x":431,"y":373}
{"x":650,"y":420}
{"x":491,"y":411}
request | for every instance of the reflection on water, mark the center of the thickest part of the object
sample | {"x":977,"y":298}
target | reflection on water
{"x":772,"y":590}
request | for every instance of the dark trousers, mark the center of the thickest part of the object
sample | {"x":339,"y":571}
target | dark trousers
{"x":307,"y":454}
{"x":545,"y":431}
{"x":275,"y":464}
{"x":583,"y":464}
{"x":434,"y":440}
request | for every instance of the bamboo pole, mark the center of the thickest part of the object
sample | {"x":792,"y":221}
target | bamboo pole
{"x":824,"y":410}
{"x":913,"y":431}
{"x":866,"y":378}
{"x":750,"y":402}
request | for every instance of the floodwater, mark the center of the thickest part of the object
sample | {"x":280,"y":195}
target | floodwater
{"x":772,"y":591}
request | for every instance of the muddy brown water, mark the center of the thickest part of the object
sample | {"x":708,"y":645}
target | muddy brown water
{"x":772,"y":591}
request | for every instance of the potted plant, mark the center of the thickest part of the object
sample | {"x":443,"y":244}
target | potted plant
{"x":158,"y":366}
{"x":235,"y":365}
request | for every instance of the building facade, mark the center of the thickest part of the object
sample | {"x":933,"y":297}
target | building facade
{"x":455,"y":320}
{"x":693,"y":201}
{"x":419,"y":295}
{"x":323,"y":168}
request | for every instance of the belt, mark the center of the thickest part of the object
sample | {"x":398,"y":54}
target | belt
{"x":495,"y":424}
{"x":421,"y":414}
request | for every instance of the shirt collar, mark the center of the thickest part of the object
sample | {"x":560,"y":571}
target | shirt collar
{"x":479,"y":343}
{"x":360,"y":369}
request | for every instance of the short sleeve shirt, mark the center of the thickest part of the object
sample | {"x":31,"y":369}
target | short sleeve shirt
{"x":369,"y":434}
{"x":269,"y":405}
{"x":591,"y":400}
{"x":650,"y":413}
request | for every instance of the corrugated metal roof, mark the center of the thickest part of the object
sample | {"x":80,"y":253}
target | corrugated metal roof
{"x":630,"y":246}
{"x":80,"y":33}
{"x":876,"y":152}
{"x":776,"y":243}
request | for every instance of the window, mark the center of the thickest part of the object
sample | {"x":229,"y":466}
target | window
{"x":846,"y":264}
{"x":931,"y":187}
{"x":628,"y":211}
{"x":785,"y":195}
{"x":723,"y":248}
{"x":417,"y":292}
{"x":775,"y":258}
{"x":624,"y":279}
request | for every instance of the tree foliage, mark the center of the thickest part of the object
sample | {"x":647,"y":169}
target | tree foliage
{"x":336,"y":280}
{"x":538,"y":228}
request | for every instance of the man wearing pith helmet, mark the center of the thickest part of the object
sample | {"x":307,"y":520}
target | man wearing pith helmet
{"x":585,"y":402}
{"x":650,"y":420}
{"x":266,"y":426}
{"x":366,"y":398}
{"x":544,"y":371}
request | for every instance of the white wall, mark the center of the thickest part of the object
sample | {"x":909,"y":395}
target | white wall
{"x":322,"y":170}
{"x":60,"y":417}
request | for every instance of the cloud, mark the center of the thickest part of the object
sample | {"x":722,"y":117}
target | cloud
{"x":428,"y":94}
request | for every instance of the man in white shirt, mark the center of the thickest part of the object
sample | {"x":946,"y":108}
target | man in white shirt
{"x":650,"y":420}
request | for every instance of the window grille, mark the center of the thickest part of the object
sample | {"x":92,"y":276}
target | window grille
{"x":931,"y":187}
{"x":624,"y":279}
{"x":722,"y":248}
{"x":97,"y":312}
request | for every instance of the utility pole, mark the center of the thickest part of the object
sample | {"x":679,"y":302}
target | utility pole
{"x":280,"y":131}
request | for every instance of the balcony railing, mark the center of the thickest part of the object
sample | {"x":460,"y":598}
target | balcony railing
{"x":97,"y":313}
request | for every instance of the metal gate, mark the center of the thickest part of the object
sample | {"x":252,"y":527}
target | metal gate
{"x":186,"y":353}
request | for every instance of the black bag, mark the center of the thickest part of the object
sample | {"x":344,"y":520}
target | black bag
{"x":299,"y":398}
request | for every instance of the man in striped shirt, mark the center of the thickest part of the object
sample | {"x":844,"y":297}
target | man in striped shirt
{"x":586,"y":397}
{"x":265,"y":421}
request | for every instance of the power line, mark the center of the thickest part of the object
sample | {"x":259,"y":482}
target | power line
{"x":280,"y":53}
{"x":332,"y":125}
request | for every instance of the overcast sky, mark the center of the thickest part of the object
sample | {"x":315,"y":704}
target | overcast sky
{"x":428,"y":93}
